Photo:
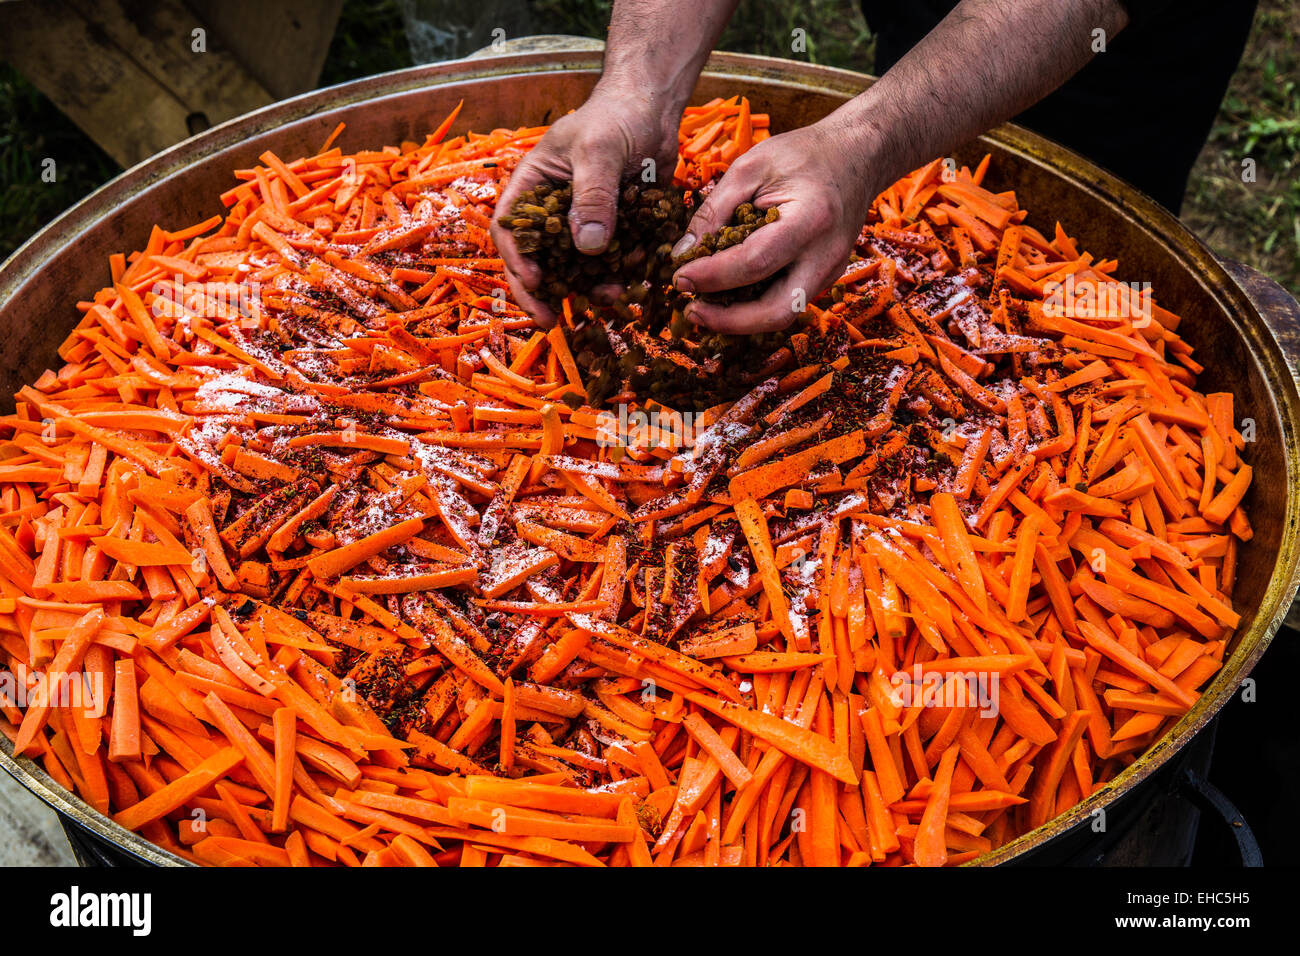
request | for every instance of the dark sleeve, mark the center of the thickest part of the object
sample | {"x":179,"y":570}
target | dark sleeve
{"x":1141,"y":12}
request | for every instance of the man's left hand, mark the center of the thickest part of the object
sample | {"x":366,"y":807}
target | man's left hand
{"x":822,"y":186}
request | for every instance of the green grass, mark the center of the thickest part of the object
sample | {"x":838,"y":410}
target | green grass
{"x":32,"y":131}
{"x":1257,"y":223}
{"x":369,"y":39}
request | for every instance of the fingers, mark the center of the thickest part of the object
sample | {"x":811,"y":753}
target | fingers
{"x":520,"y":269}
{"x":763,"y":253}
{"x":531,"y":171}
{"x":518,"y":266}
{"x":606,"y":293}
{"x":524,"y":298}
{"x":777,"y":307}
{"x":767,"y":314}
{"x":737,"y":185}
{"x":596,"y":175}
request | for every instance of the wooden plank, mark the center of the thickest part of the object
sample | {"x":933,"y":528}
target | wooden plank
{"x":116,"y":102}
{"x":159,"y":37}
{"x":282,"y":44}
{"x":127,"y":72}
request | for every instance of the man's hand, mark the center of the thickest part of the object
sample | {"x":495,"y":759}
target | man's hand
{"x":824,"y":177}
{"x":609,"y":136}
{"x":814,"y":177}
{"x":653,"y":56}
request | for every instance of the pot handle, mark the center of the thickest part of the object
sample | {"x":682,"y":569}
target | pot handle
{"x":1278,"y":307}
{"x":1210,"y":800}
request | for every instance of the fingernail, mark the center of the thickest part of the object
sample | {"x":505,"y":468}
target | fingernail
{"x":684,"y":284}
{"x":684,"y":245}
{"x":590,"y":237}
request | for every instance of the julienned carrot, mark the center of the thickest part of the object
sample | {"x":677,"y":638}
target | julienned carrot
{"x":354,"y":573}
{"x":65,"y":664}
{"x":181,"y":790}
{"x":542,"y":796}
{"x":804,"y":745}
{"x":284,"y":720}
{"x":709,"y":741}
{"x":199,"y":515}
{"x":755,"y":527}
{"x":517,"y":822}
{"x":335,"y":562}
{"x":931,"y":847}
{"x":124,"y":737}
{"x":948,"y":519}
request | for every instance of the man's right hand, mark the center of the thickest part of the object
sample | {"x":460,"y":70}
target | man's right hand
{"x":611,"y":135}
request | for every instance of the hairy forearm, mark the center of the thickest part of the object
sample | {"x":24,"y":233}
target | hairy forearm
{"x":987,"y":61}
{"x":655,"y":49}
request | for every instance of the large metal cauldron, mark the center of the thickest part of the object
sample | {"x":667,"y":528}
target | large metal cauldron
{"x":1244,"y":328}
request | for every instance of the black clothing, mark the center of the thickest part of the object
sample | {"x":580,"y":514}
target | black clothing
{"x":1143,"y":108}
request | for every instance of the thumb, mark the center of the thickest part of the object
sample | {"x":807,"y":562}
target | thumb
{"x":596,"y":175}
{"x":734,"y":188}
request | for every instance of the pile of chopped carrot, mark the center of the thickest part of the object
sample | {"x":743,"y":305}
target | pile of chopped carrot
{"x":713,"y":135}
{"x":321,"y":523}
